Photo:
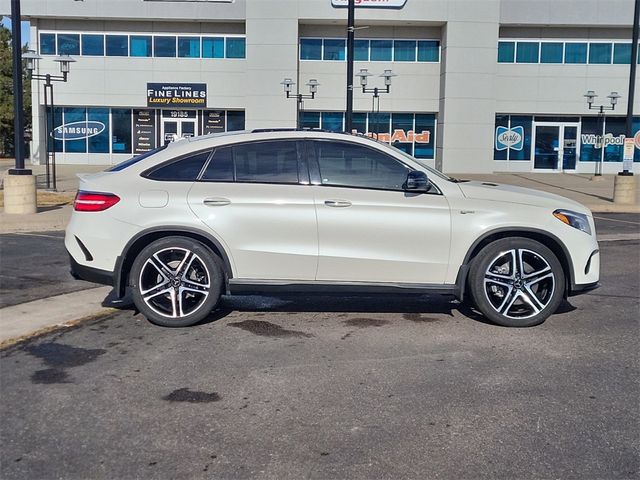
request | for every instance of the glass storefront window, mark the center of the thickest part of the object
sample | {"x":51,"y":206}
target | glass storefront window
{"x":403,"y":122}
{"x":213,"y":47}
{"x":235,"y":120}
{"x":99,"y":143}
{"x":512,"y":137}
{"x":404,"y":51}
{"x":117,"y":45}
{"x":334,"y":49}
{"x":524,"y":122}
{"x":551,"y":52}
{"x":332,"y":121}
{"x":425,"y":136}
{"x":613,"y":134}
{"x":140,"y":45}
{"x":48,"y":43}
{"x":56,"y":121}
{"x":575,"y":53}
{"x":236,"y":47}
{"x":310,"y":49}
{"x":164,"y":47}
{"x":69,"y":44}
{"x":361,"y":50}
{"x":499,"y":150}
{"x":72,"y":115}
{"x":506,"y":52}
{"x":590,"y":131}
{"x":359,"y":121}
{"x":121,"y":130}
{"x":381,"y":50}
{"x":428,"y":50}
{"x":189,"y":47}
{"x":600,"y":53}
{"x":527,"y":52}
{"x":93,"y":45}
{"x":310,"y":119}
{"x":622,"y":53}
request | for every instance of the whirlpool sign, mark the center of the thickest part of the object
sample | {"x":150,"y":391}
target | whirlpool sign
{"x":512,"y":138}
{"x":78,"y":130}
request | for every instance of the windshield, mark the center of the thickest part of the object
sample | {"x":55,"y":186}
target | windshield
{"x":134,"y":160}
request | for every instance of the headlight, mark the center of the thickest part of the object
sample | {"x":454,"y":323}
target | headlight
{"x":573,"y":219}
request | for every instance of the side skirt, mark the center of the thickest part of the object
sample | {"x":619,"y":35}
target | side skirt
{"x":251,"y":287}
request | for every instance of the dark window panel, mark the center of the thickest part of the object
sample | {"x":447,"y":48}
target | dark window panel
{"x":47,"y":43}
{"x":141,"y":45}
{"x":93,"y":45}
{"x":164,"y":47}
{"x":236,"y":47}
{"x":68,"y":44}
{"x":117,"y":45}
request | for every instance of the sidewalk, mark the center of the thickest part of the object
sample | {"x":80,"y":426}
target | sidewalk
{"x":597,"y":195}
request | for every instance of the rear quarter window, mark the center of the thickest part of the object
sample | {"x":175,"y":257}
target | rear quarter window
{"x":184,"y":169}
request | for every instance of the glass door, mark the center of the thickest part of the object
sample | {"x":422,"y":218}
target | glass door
{"x":555,"y":147}
{"x":169,"y":131}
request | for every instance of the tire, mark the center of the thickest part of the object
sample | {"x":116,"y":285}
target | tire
{"x":176,"y":281}
{"x":523,"y":296}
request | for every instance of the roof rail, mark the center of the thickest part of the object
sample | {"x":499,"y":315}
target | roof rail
{"x":305,"y":129}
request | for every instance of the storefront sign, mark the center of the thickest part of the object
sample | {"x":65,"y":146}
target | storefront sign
{"x":77,"y":130}
{"x":597,"y":140}
{"x":144,"y":131}
{"x":370,"y":3}
{"x":402,"y":136}
{"x":512,"y":138}
{"x":213,"y":121}
{"x":177,"y":94}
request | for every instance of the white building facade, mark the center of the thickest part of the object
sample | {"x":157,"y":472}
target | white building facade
{"x":481,"y":85}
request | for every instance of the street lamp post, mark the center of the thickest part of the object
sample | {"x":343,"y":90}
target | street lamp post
{"x":375,"y":101}
{"x":65,"y":61}
{"x":299,"y":97}
{"x":613,"y":100}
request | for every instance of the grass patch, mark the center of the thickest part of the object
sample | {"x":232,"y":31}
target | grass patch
{"x":49,"y":199}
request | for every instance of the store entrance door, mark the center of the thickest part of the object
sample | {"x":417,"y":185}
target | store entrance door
{"x":177,"y":124}
{"x":556,"y":147}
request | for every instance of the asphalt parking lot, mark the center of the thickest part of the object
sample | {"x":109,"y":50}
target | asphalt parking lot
{"x":332,"y":387}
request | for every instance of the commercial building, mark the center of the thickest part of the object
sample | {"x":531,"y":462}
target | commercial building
{"x":480,"y":85}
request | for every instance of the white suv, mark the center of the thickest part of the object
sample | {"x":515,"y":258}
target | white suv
{"x":311,"y":211}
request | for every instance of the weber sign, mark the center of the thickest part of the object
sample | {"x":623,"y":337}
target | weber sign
{"x":370,"y":3}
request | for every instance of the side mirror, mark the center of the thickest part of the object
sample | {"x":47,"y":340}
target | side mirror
{"x":417,"y":181}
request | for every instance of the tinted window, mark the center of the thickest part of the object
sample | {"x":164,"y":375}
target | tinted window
{"x":527,"y":52}
{"x":48,"y":43}
{"x":117,"y":46}
{"x":220,"y":168}
{"x":342,"y":164}
{"x":622,"y":53}
{"x":334,"y":50}
{"x":121,"y":130}
{"x":235,"y":47}
{"x":68,"y":43}
{"x":164,"y":46}
{"x":428,"y":50}
{"x":266,"y":162}
{"x":213,"y":47}
{"x":575,"y":53}
{"x":310,"y":49}
{"x":134,"y":160}
{"x":189,"y":47}
{"x":140,"y":45}
{"x":235,"y":120}
{"x":600,"y":53}
{"x":185,"y":169}
{"x":506,"y":52}
{"x":93,"y":45}
{"x":381,"y":50}
{"x":551,"y":52}
{"x":361,"y":50}
{"x":404,"y":51}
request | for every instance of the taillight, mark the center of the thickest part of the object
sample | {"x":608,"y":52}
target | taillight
{"x":94,"y":201}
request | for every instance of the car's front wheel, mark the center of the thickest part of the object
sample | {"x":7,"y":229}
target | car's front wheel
{"x":176,"y":281}
{"x":516,"y":282}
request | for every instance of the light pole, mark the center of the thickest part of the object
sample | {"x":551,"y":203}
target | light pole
{"x":65,"y":61}
{"x":299,"y":97}
{"x":375,"y":101}
{"x":613,"y":99}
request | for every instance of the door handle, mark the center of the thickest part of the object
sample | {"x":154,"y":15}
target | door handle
{"x":216,"y":202}
{"x":337,"y":203}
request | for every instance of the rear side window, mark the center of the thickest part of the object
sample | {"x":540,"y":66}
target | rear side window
{"x":256,"y":162}
{"x":134,"y":160}
{"x":185,"y":169}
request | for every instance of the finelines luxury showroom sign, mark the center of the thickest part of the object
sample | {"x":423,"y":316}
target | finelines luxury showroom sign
{"x":177,"y":94}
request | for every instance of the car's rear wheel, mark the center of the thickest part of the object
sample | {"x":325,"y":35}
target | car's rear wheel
{"x":517,"y":282}
{"x":176,"y":281}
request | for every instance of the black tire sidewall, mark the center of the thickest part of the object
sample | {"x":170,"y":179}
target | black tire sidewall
{"x":216,"y":279}
{"x":481,"y":263}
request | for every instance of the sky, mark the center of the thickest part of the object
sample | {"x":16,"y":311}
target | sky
{"x":6,"y":21}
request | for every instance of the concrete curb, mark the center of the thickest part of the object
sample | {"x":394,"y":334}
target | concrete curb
{"x":20,"y":321}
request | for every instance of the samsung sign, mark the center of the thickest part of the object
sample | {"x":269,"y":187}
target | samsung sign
{"x":370,"y":3}
{"x":77,"y":130}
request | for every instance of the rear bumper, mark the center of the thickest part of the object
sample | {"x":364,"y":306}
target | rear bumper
{"x":583,"y":288}
{"x":95,"y":275}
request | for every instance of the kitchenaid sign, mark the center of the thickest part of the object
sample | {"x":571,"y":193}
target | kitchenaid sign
{"x":370,"y":3}
{"x":77,"y":130}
